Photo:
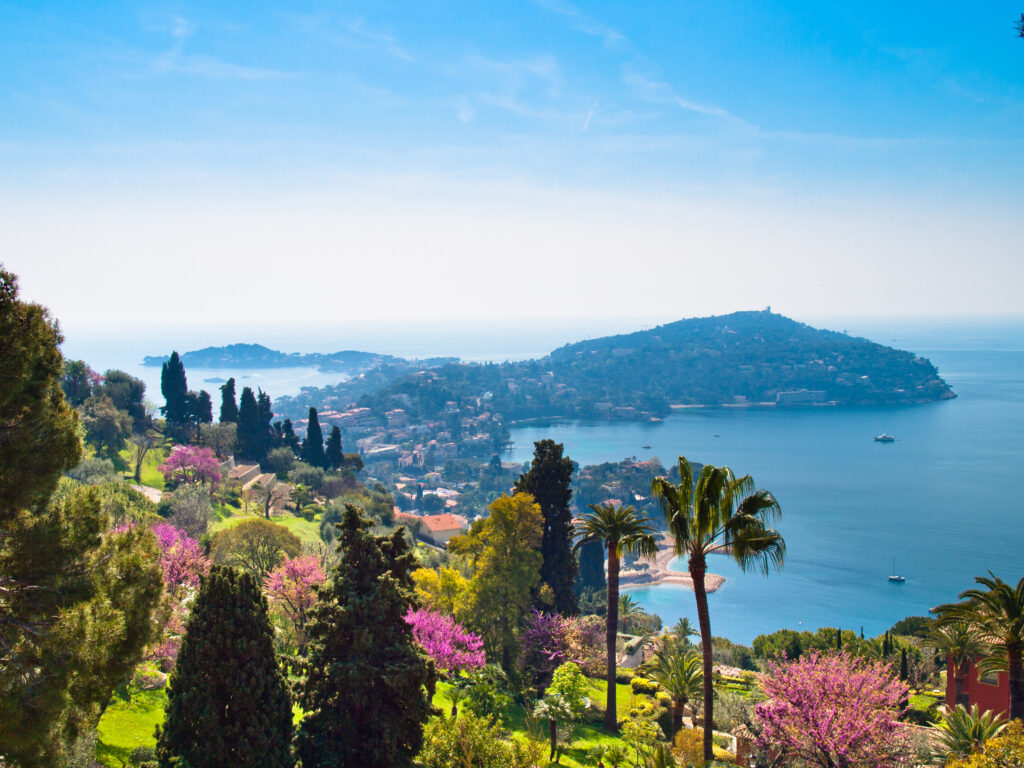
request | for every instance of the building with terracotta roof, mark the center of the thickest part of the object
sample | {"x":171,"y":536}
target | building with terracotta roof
{"x":440,"y":528}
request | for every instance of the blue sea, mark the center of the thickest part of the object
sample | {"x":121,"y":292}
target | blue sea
{"x":941,"y":503}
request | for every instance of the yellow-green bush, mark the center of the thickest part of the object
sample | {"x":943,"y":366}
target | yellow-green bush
{"x":689,"y":747}
{"x":1004,"y":751}
{"x":643,"y":685}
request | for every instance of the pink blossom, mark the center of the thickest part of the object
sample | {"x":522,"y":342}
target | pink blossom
{"x":452,"y":647}
{"x":182,"y":558}
{"x":192,"y":465}
{"x":834,"y":711}
{"x":291,"y":590}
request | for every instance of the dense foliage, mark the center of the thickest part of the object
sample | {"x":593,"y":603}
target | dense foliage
{"x":76,"y":598}
{"x":549,"y":481}
{"x":228,"y":703}
{"x":364,"y":689}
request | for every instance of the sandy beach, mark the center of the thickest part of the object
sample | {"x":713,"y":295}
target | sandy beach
{"x":660,"y":573}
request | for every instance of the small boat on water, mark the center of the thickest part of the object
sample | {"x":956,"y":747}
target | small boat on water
{"x":646,"y":446}
{"x":894,"y":577}
{"x":884,"y":438}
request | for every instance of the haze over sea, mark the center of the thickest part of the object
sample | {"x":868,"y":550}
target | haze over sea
{"x":940,"y":500}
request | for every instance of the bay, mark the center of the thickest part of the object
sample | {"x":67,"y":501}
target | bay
{"x":941,"y":501}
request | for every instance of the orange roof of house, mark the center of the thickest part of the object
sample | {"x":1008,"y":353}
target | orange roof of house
{"x":443,"y":522}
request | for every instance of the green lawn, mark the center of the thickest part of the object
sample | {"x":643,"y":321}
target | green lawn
{"x":150,"y":474}
{"x":129,"y":722}
{"x":307,"y":531}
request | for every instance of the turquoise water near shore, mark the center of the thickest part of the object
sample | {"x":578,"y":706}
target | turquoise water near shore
{"x":941,"y":500}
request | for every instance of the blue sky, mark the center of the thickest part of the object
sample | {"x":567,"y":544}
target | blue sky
{"x":821,"y":157}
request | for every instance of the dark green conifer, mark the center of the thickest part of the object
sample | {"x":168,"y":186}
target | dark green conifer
{"x":313,"y":446}
{"x":266,"y":416}
{"x":591,"y":556}
{"x":334,"y":457}
{"x":365,"y":687}
{"x":288,"y":436}
{"x":228,"y":407}
{"x":549,"y":482}
{"x":904,"y":665}
{"x":174,"y":388}
{"x":839,"y":639}
{"x":249,"y":440}
{"x":228,"y":703}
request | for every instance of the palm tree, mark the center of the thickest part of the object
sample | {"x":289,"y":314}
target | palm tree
{"x":620,"y":529}
{"x":718,"y":513}
{"x":963,"y":730}
{"x":958,"y":641}
{"x":679,"y":669}
{"x":684,"y":630}
{"x":629,"y":609}
{"x":997,"y":614}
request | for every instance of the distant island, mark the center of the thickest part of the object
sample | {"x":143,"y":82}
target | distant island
{"x":257,"y":356}
{"x":743,"y":359}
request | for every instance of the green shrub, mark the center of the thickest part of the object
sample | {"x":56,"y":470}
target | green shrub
{"x":643,"y":685}
{"x":624,"y":675}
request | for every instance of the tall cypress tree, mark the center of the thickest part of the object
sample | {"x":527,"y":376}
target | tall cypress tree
{"x":227,"y":703}
{"x":548,"y":481}
{"x":334,"y":457}
{"x":249,"y":442}
{"x":228,"y":407}
{"x":313,"y":447}
{"x":266,"y":415}
{"x":591,"y":557}
{"x":174,"y":388}
{"x":365,"y":688}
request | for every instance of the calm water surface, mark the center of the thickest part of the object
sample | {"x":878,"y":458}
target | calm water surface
{"x":941,"y":500}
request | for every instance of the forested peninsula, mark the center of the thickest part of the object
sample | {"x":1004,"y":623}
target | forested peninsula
{"x":740,"y":359}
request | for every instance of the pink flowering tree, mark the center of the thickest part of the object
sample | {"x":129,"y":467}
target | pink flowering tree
{"x":834,"y":711}
{"x":183,"y":563}
{"x":181,"y":558}
{"x":191,"y":465}
{"x":452,"y":647}
{"x":291,"y":592}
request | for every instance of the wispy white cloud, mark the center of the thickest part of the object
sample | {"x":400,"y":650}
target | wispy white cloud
{"x":583,"y":23}
{"x":590,"y":114}
{"x":648,"y":89}
{"x":175,"y":59}
{"x":387,"y":42}
{"x":464,"y":111}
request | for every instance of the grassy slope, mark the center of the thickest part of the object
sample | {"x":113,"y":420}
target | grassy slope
{"x":131,"y":722}
{"x":307,"y":531}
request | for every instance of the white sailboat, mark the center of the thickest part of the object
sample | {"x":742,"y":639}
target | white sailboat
{"x":894,"y":577}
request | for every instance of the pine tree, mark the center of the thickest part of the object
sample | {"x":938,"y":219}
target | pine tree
{"x":334,"y":457}
{"x":904,"y":664}
{"x":228,"y":703}
{"x":174,"y":388}
{"x":548,"y":481}
{"x":76,"y":599}
{"x":313,"y":447}
{"x":228,"y":407}
{"x":249,"y":441}
{"x":364,"y":692}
